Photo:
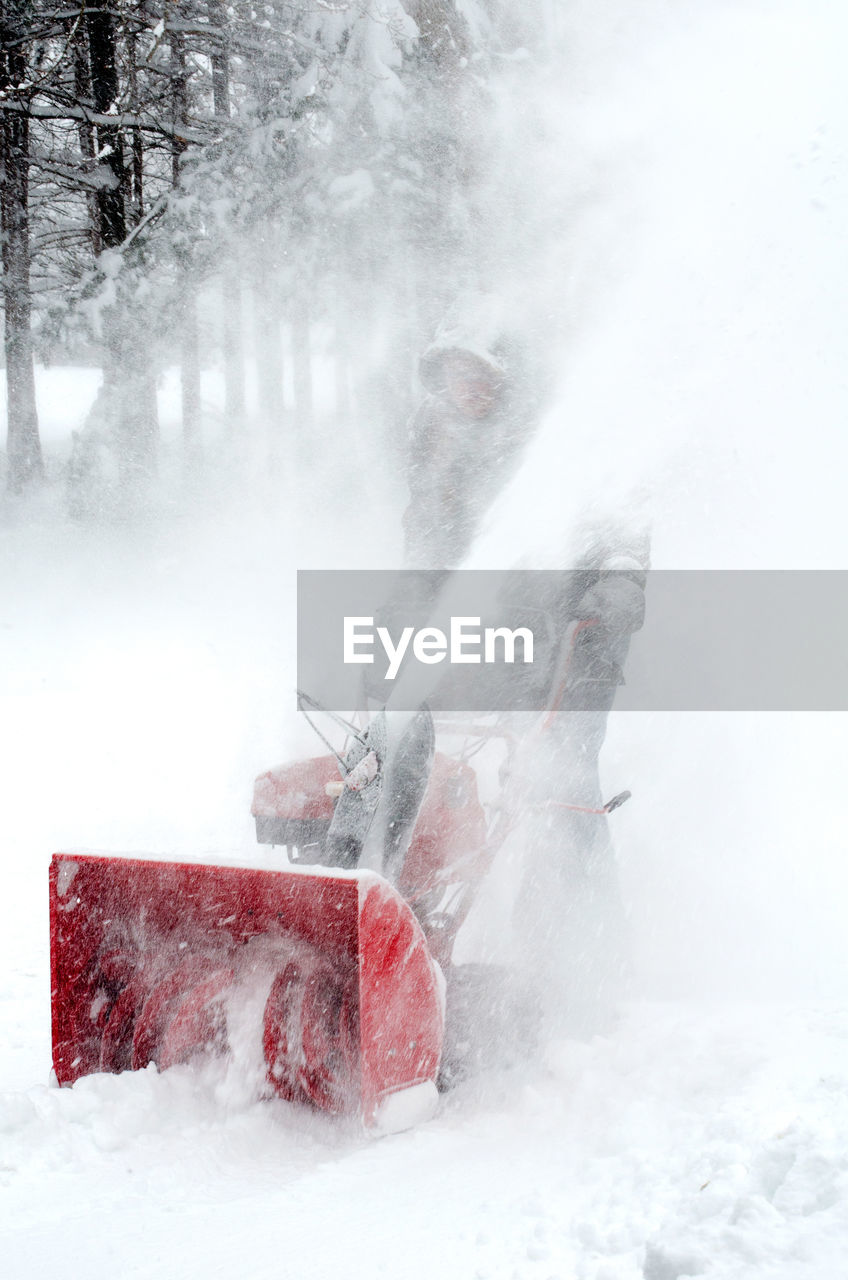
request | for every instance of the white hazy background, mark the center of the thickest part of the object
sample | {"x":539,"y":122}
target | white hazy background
{"x":687,"y":167}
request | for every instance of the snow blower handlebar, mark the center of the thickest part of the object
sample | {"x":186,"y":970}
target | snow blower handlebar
{"x":615,"y":803}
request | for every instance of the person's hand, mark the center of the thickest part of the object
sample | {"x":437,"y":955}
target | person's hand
{"x":616,"y":601}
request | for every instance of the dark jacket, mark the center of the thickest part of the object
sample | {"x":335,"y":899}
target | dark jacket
{"x":457,"y":464}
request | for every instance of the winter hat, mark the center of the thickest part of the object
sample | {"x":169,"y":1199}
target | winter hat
{"x":475,"y":330}
{"x":431,"y":366}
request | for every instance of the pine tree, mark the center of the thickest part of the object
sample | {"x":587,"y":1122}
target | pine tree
{"x":25,"y":462}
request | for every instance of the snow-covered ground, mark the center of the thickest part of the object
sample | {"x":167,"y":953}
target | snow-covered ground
{"x":693,"y":1141}
{"x":145,"y":678}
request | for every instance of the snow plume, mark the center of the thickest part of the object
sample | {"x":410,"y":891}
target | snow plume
{"x":677,"y":209}
{"x":673,"y":212}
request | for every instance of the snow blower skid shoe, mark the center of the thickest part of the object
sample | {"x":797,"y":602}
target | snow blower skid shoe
{"x":147,"y":959}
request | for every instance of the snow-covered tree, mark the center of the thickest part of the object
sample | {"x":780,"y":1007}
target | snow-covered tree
{"x":325,"y":161}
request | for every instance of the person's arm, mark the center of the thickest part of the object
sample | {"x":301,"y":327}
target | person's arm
{"x":419,"y":480}
{"x":431,"y":520}
{"x":616,"y":595}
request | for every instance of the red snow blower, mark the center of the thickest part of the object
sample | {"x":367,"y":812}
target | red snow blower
{"x":330,"y":977}
{"x":149,"y":959}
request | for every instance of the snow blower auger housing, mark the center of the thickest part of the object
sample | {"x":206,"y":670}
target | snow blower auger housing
{"x":149,"y":958}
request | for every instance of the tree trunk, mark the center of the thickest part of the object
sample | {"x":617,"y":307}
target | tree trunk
{"x":234,"y":389}
{"x":302,"y":367}
{"x":186,"y":292}
{"x":111,"y":206}
{"x":127,"y":377}
{"x":189,"y":367}
{"x":131,"y":396}
{"x":25,"y":462}
{"x":220,"y":61}
{"x":341,"y":356}
{"x":269,"y":359}
{"x":85,"y":131}
{"x":136,"y":188}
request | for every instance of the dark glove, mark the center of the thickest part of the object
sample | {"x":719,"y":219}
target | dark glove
{"x":616,"y":601}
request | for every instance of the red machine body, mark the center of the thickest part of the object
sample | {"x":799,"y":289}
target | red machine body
{"x":449,"y":852}
{"x":156,"y":962}
{"x":148,"y":957}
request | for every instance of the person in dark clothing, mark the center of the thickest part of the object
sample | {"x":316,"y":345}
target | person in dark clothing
{"x":464,"y":443}
{"x":570,"y":912}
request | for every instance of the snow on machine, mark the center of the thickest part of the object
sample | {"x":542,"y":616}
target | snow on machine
{"x":338,"y":970}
